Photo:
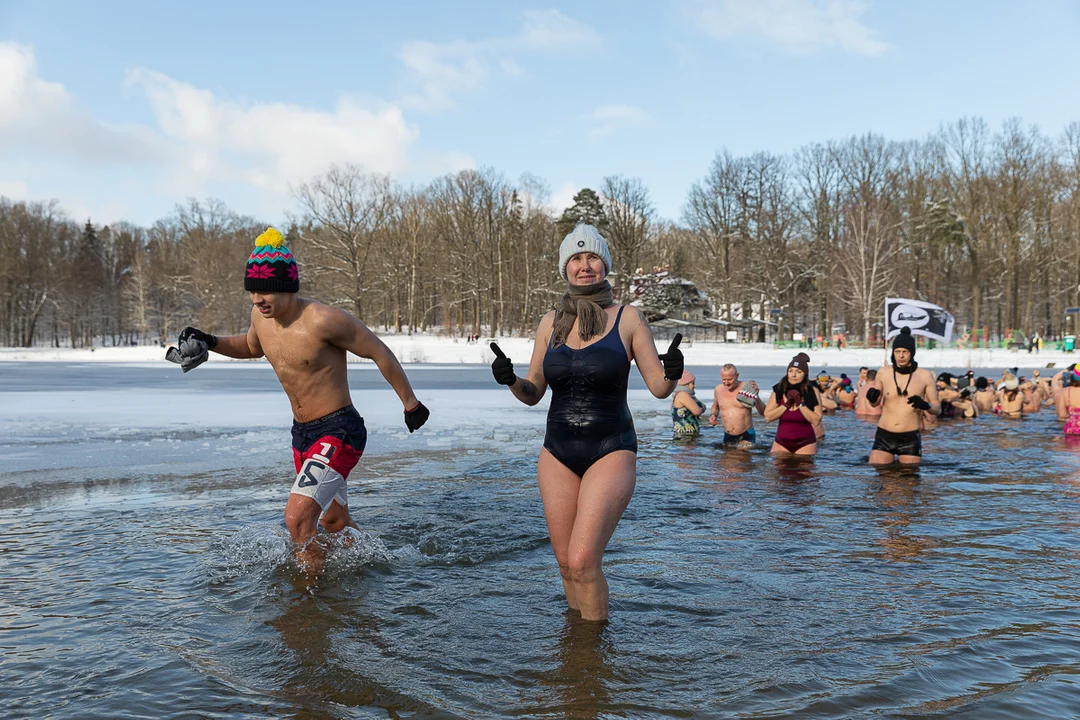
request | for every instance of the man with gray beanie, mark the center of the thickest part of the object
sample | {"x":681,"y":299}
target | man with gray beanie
{"x":903,"y":391}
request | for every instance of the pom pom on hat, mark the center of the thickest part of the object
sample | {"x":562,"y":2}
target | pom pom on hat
{"x":271,"y":237}
{"x":904,"y":340}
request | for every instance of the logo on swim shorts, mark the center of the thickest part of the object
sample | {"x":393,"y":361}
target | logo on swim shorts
{"x":909,"y":315}
{"x":581,"y":243}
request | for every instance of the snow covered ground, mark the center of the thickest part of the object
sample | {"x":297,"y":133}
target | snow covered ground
{"x":430,"y":349}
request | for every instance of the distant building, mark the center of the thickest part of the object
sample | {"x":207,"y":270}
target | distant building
{"x":673,"y":304}
{"x":660,"y":295}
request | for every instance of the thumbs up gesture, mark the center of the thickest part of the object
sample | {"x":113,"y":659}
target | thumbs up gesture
{"x":673,"y":360}
{"x":501,"y":367}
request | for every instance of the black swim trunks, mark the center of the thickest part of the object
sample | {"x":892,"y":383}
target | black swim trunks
{"x":748,"y":436}
{"x":898,"y":443}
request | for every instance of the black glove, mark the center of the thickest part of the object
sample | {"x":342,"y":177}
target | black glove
{"x":873,"y":395}
{"x":190,"y":332}
{"x":918,"y":403}
{"x":415,"y":418}
{"x":673,"y":360}
{"x":501,"y":367}
{"x":191,"y":353}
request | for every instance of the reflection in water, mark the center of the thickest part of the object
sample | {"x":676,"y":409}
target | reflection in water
{"x":794,"y":470}
{"x":899,"y":492}
{"x":584,"y":672}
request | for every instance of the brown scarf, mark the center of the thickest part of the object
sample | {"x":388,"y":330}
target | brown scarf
{"x":584,"y":303}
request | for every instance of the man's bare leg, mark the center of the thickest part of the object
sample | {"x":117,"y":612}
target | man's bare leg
{"x":302,"y":520}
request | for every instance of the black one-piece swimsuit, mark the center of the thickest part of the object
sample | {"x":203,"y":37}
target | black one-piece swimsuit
{"x":588,"y":417}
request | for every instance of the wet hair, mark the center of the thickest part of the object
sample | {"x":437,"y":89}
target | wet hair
{"x":871,"y":374}
{"x":729,"y":368}
{"x":981,"y":383}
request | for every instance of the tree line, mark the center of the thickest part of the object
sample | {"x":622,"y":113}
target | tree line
{"x":985,"y":223}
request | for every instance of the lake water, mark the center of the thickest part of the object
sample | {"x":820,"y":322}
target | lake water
{"x":147,"y":574}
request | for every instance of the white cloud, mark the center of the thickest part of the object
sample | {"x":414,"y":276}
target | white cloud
{"x":606,"y":119}
{"x":564,"y":197}
{"x":436,"y":73}
{"x":550,"y":30}
{"x":14,"y":190}
{"x":199,"y":143}
{"x":270,"y":144}
{"x":797,"y":27}
{"x":41,"y":117}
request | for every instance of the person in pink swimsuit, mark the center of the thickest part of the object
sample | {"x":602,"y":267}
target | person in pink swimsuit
{"x":1068,"y":401}
{"x":796,"y":404}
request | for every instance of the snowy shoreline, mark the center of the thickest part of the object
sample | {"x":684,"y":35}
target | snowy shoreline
{"x":433,"y":350}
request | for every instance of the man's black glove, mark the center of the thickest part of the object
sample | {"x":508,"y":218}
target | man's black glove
{"x":501,"y":367}
{"x":192,"y":349}
{"x":918,"y":403}
{"x":673,"y":360}
{"x":415,"y":418}
{"x":189,"y":332}
{"x":873,"y":395}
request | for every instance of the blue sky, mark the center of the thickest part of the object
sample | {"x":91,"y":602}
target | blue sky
{"x":121,"y":110}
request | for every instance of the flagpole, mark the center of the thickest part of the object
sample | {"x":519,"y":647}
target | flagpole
{"x":885,"y":334}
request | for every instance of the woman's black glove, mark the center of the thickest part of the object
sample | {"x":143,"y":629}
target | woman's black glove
{"x":918,"y":403}
{"x":673,"y":360}
{"x":501,"y":367}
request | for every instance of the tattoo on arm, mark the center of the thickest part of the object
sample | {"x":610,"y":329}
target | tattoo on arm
{"x":527,"y":388}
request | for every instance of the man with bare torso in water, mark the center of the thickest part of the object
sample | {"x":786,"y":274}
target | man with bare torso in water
{"x":862,"y":405}
{"x":903,"y":391}
{"x":306,"y":343}
{"x":734,"y":402}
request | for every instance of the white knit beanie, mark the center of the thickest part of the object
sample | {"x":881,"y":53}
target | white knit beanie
{"x":583,"y":238}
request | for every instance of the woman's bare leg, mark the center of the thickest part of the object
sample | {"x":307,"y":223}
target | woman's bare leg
{"x":559,"y":493}
{"x":603,"y":496}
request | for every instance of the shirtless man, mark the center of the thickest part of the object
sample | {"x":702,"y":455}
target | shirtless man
{"x":305,"y":342}
{"x":985,"y":397}
{"x":736,"y":416}
{"x":904,"y":391}
{"x":862,"y":405}
{"x":1032,"y":397}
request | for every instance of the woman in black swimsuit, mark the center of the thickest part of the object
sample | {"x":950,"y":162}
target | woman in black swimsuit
{"x":588,"y":466}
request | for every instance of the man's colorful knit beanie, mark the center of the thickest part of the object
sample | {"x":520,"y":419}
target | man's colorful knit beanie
{"x":271,"y":267}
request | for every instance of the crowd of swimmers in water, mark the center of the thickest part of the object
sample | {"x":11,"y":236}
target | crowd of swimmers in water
{"x":798,"y":404}
{"x":583,"y":350}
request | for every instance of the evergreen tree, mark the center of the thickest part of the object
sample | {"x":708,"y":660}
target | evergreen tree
{"x":587,"y":208}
